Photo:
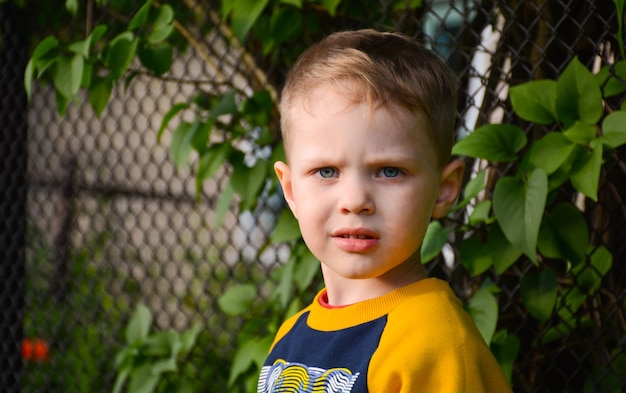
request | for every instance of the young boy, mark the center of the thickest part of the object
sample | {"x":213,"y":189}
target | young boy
{"x":368,"y":126}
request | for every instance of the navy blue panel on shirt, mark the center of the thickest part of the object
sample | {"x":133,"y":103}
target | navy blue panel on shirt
{"x":305,"y":359}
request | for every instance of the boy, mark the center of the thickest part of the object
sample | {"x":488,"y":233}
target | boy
{"x":368,"y":126}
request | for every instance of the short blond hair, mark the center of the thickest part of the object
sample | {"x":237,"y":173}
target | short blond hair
{"x":386,"y":69}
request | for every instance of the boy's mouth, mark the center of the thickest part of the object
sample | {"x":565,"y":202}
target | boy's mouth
{"x":356,"y":237}
{"x":355,"y":233}
{"x":356,"y":240}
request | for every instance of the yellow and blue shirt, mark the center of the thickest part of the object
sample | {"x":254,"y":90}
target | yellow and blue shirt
{"x":417,"y":338}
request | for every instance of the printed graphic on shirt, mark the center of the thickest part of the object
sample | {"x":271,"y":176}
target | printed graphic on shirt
{"x":295,"y":377}
{"x":311,"y":360}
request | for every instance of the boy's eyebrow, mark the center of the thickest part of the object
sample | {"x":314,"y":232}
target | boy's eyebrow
{"x":390,"y":159}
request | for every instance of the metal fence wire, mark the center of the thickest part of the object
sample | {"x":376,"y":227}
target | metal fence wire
{"x":95,"y":217}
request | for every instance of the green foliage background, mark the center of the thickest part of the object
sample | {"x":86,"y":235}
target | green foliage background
{"x":518,"y":220}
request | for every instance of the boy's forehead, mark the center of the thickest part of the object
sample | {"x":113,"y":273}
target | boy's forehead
{"x":327,"y":102}
{"x":330,"y":100}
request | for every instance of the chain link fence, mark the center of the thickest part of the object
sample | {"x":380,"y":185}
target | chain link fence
{"x":96,"y":217}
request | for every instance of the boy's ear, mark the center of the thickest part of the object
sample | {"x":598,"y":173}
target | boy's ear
{"x":449,"y":187}
{"x":283,"y":172}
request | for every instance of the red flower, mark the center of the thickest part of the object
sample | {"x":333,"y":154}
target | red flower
{"x":35,"y":350}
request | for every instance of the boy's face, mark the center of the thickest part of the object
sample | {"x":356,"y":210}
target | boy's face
{"x":363,"y":186}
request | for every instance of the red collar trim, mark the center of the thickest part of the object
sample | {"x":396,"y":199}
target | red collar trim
{"x":323,"y":300}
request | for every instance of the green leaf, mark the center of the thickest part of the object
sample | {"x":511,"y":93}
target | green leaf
{"x":200,"y":140}
{"x":86,"y":78}
{"x":244,"y":15}
{"x":226,"y":105}
{"x":61,"y":76}
{"x":156,"y":58}
{"x":614,"y":129}
{"x":549,"y":152}
{"x":139,"y":325}
{"x":223,"y":203}
{"x":121,"y":51}
{"x":611,"y":79}
{"x":247,"y":182}
{"x":43,"y":50}
{"x":62,"y":102}
{"x":534,"y":101}
{"x":83,"y":47}
{"x":505,"y":347}
{"x":143,"y":380}
{"x":120,"y":380}
{"x":493,"y":142}
{"x":285,"y":288}
{"x":158,"y":35}
{"x":76,"y":73}
{"x":435,"y":238}
{"x":564,"y":234}
{"x":80,"y":48}
{"x":44,"y":47}
{"x":474,"y":186}
{"x":578,"y":95}
{"x":287,"y":228}
{"x":141,"y":17}
{"x":539,"y":293}
{"x":252,"y":352}
{"x":165,"y":16}
{"x":589,"y":275}
{"x":169,"y":116}
{"x":619,"y":7}
{"x":180,"y":146}
{"x":331,"y":6}
{"x":567,"y":308}
{"x":295,"y":3}
{"x":307,"y":267}
{"x":97,"y":33}
{"x":188,"y":339}
{"x":518,"y":205}
{"x":503,"y":252}
{"x":586,"y":170}
{"x":67,"y":75}
{"x":407,"y":4}
{"x":159,"y":344}
{"x":480,"y":213}
{"x":483,"y":309}
{"x":71,"y":6}
{"x":210,"y":161}
{"x":580,"y":133}
{"x":609,"y":377}
{"x":258,"y":108}
{"x":99,"y":93}
{"x":28,"y":78}
{"x":237,"y":299}
{"x":179,"y":386}
{"x":474,"y":256}
{"x":164,"y":365}
{"x":284,"y":24}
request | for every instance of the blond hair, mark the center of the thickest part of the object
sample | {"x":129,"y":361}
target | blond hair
{"x":386,"y":70}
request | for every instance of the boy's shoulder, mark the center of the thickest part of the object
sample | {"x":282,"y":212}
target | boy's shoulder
{"x":434,"y":309}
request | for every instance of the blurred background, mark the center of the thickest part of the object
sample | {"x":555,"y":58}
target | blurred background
{"x":97,"y":217}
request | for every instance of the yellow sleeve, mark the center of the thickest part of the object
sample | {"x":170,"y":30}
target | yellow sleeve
{"x":434,"y":347}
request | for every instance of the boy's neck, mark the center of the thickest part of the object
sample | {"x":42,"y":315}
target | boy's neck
{"x":343,"y":291}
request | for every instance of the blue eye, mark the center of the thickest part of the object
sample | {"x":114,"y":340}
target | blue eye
{"x":390,"y":172}
{"x":326,"y":173}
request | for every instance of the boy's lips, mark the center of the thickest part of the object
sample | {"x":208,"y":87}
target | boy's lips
{"x":355,"y":239}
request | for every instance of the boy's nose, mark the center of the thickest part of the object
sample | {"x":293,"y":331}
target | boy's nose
{"x":356,"y":197}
